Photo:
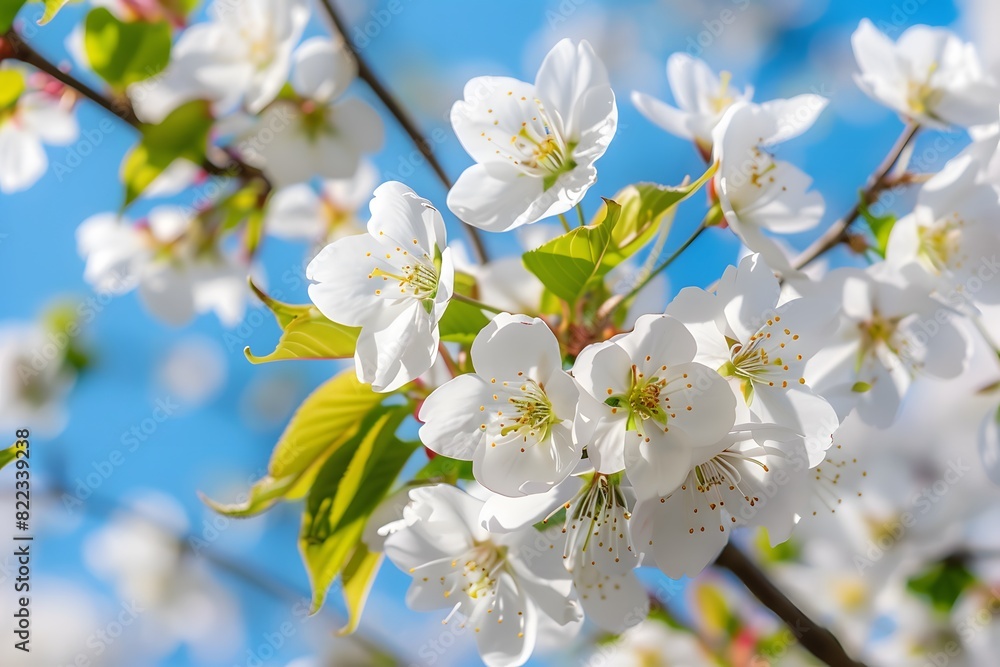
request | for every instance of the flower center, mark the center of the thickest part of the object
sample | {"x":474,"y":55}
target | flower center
{"x":939,"y":245}
{"x":642,"y":400}
{"x":722,"y":100}
{"x":534,"y":414}
{"x":598,"y":519}
{"x":921,"y":96}
{"x":536,"y":148}
{"x":481,"y":565}
{"x":418,"y":280}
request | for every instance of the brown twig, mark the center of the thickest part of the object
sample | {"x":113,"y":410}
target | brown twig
{"x":813,"y":637}
{"x":838,"y":231}
{"x":366,"y":74}
{"x":119,"y":106}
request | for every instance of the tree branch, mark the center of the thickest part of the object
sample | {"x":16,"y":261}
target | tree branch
{"x":119,"y":106}
{"x":814,"y":638}
{"x":366,"y":74}
{"x":876,"y":182}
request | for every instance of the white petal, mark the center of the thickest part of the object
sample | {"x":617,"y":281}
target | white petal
{"x":496,"y":197}
{"x":512,"y":345}
{"x":342,"y":290}
{"x":508,"y":643}
{"x":322,"y":69}
{"x":614,"y":602}
{"x":753,"y":298}
{"x":573,"y":82}
{"x":657,"y":341}
{"x":295,"y":212}
{"x":397,"y":347}
{"x":663,"y":115}
{"x":452,"y":417}
{"x":168,"y":294}
{"x":22,"y":159}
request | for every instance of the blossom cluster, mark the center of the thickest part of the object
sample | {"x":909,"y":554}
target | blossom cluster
{"x":597,"y":429}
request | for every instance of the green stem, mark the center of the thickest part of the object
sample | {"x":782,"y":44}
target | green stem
{"x":667,"y":262}
{"x":579,"y":212}
{"x":564,"y":221}
{"x":478,"y":304}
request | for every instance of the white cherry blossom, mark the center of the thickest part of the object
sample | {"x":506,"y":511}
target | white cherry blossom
{"x":929,"y":76}
{"x":751,"y":479}
{"x":598,"y":549}
{"x":762,"y":348}
{"x":177,"y":268}
{"x":702,"y":98}
{"x":34,"y":382}
{"x":394,"y":282}
{"x":516,"y":417}
{"x":654,"y":408}
{"x":756,"y":192}
{"x":313,"y":132}
{"x":889,"y":331}
{"x":300,"y":212}
{"x":242,"y":54}
{"x":535,"y":145}
{"x":35,"y":110}
{"x":501,"y":586}
{"x":952,"y":237}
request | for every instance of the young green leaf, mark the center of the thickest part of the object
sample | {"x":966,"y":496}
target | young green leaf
{"x":356,"y":581}
{"x":444,"y":469}
{"x":325,"y":421}
{"x":880,"y":226}
{"x":7,"y":455}
{"x":123,"y":53}
{"x":52,"y":8}
{"x":567,"y":264}
{"x":462,"y":321}
{"x":182,"y":134}
{"x":344,"y":496}
{"x":646,"y":209}
{"x":306,"y":333}
{"x":8,"y":12}
{"x":12,"y":85}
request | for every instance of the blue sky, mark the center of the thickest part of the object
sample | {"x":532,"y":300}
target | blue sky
{"x":425,"y":52}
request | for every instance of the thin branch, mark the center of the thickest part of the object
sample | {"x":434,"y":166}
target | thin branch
{"x":612,"y":304}
{"x":366,"y":74}
{"x":119,"y":106}
{"x":813,"y":637}
{"x":876,"y":183}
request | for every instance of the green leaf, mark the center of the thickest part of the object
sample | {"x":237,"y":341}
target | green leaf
{"x":7,"y":455}
{"x":327,"y":419}
{"x":123,"y":53}
{"x":52,"y":8}
{"x":184,"y":133}
{"x":356,"y":581}
{"x":8,"y":12}
{"x":311,"y":336}
{"x":444,"y":469}
{"x":567,"y":264}
{"x":346,"y":491}
{"x":12,"y":85}
{"x":942,"y":584}
{"x":284,"y":313}
{"x":784,"y":552}
{"x":462,"y":321}
{"x":880,"y":226}
{"x":306,"y":333}
{"x":646,"y":209}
